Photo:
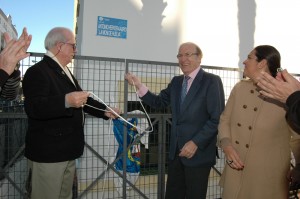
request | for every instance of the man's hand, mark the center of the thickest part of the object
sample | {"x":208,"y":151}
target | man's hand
{"x":14,"y":51}
{"x":188,"y":150}
{"x":110,"y":114}
{"x":77,"y":99}
{"x":133,"y":80}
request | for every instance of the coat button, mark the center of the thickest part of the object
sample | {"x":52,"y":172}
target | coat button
{"x":244,"y":106}
{"x":239,"y":124}
{"x":255,"y":108}
{"x":247,"y":145}
{"x":251,"y":91}
{"x":237,"y":142}
{"x":250,"y":127}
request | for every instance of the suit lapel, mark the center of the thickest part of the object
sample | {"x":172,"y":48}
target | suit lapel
{"x":178,"y":86}
{"x":74,"y":80}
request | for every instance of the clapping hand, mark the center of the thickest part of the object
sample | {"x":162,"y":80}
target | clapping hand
{"x":14,"y":51}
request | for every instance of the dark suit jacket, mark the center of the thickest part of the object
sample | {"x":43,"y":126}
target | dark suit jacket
{"x":55,"y":133}
{"x":293,"y":111}
{"x":198,"y":118}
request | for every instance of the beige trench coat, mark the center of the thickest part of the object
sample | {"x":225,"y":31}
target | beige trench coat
{"x":256,"y":127}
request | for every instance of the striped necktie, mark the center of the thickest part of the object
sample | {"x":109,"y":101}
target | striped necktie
{"x":184,"y":88}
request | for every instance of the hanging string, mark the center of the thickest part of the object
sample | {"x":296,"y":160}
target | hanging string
{"x":143,"y":131}
{"x":123,"y":119}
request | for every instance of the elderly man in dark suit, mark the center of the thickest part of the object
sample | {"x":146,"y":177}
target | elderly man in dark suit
{"x":195,"y":119}
{"x":55,"y":106}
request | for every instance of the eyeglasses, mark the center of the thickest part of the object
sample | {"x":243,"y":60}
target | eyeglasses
{"x":186,"y":55}
{"x":73,"y":45}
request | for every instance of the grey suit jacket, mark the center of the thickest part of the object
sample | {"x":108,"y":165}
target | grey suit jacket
{"x":197,"y":119}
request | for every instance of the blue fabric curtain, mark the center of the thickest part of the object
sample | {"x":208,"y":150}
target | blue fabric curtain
{"x":133,"y":157}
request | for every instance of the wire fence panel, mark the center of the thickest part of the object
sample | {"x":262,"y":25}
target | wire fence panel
{"x":110,"y":147}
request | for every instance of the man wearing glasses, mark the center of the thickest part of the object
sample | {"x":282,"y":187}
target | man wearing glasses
{"x":195,"y":119}
{"x":55,"y":106}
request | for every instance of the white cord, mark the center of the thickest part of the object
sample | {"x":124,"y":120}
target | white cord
{"x":143,"y":131}
{"x":111,"y":110}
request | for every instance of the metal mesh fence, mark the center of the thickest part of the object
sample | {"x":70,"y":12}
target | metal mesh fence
{"x":97,"y":173}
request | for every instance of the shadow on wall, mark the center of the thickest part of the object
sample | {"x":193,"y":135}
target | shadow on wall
{"x":150,"y":33}
{"x":147,"y":39}
{"x":246,"y":25}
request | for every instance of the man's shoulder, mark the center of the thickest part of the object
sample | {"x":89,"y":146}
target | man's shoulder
{"x":211,"y":76}
{"x":41,"y":63}
{"x":203,"y":72}
{"x":37,"y":68}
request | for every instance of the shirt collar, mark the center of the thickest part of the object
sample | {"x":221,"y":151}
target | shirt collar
{"x":193,"y":74}
{"x":51,"y":55}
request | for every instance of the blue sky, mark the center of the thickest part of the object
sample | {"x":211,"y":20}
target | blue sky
{"x":39,"y":16}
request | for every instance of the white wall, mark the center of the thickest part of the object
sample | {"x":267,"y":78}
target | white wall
{"x":6,"y":26}
{"x":225,"y":30}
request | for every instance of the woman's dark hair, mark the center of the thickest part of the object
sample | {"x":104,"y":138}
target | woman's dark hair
{"x":270,"y":54}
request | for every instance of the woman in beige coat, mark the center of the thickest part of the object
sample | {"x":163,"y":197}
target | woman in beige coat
{"x":255,"y":136}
